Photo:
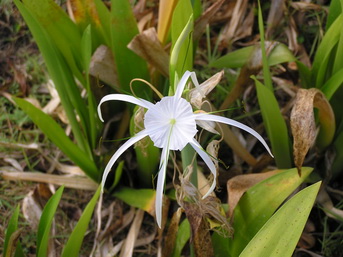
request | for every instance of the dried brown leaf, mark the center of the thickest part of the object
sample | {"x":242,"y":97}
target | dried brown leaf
{"x":238,"y":185}
{"x":102,"y":66}
{"x":129,"y":244}
{"x":71,"y":182}
{"x":201,"y":236}
{"x":303,"y":122}
{"x":169,"y":244}
{"x":148,"y":46}
{"x":201,"y":22}
{"x":197,"y":94}
{"x":275,"y":16}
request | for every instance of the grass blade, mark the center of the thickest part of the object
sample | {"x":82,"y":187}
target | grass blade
{"x":45,"y":223}
{"x":73,"y":246}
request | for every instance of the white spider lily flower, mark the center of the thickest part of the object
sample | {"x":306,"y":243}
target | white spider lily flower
{"x":171,"y":125}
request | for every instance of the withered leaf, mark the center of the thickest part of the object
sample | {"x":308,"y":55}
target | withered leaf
{"x":169,"y":244}
{"x":201,"y":236}
{"x":197,"y":94}
{"x":148,"y":46}
{"x":102,"y":66}
{"x":303,"y":123}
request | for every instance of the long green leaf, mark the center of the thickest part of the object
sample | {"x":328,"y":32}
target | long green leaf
{"x":181,"y":58}
{"x":56,"y":134}
{"x":45,"y":223}
{"x":63,"y":79}
{"x":61,"y":29}
{"x":123,"y":29}
{"x":11,"y":229}
{"x":259,"y":203}
{"x":73,"y":246}
{"x":275,"y":126}
{"x":182,"y":237}
{"x":266,"y":72}
{"x":279,"y":236}
{"x":324,"y":51}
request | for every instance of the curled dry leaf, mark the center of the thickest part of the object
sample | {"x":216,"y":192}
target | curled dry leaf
{"x":197,"y":94}
{"x":201,"y":236}
{"x":238,"y":185}
{"x":303,"y":123}
{"x":148,"y":46}
{"x":102,"y":66}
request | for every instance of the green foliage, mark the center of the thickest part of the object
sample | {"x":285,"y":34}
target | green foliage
{"x":45,"y":222}
{"x":182,"y":237}
{"x":256,"y":208}
{"x":123,"y":28}
{"x":9,"y":243}
{"x":57,"y":135}
{"x":280,"y":235}
{"x":181,"y":58}
{"x":73,"y":246}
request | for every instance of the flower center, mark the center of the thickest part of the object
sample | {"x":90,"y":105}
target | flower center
{"x":170,"y":123}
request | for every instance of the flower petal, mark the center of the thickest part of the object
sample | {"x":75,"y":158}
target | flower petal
{"x":160,"y":184}
{"x":210,"y":117}
{"x":124,"y":98}
{"x":140,"y":135}
{"x":207,"y":159}
{"x":183,"y":81}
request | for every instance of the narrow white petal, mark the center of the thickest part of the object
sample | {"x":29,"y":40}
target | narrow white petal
{"x":160,"y":184}
{"x":183,"y":81}
{"x":207,"y":159}
{"x":210,"y":117}
{"x":119,"y":152}
{"x":124,"y":98}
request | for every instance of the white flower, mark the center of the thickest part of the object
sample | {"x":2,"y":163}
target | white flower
{"x":171,"y":125}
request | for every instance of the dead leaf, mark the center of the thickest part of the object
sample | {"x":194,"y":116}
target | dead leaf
{"x":303,"y":123}
{"x":129,"y":244}
{"x":169,"y":242}
{"x":275,"y":16}
{"x":197,"y":94}
{"x":324,"y":200}
{"x":201,"y":236}
{"x":148,"y":46}
{"x":102,"y":66}
{"x":238,"y":185}
{"x":201,"y":23}
{"x":69,"y":181}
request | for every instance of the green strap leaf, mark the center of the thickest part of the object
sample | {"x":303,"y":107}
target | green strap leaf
{"x":275,"y":125}
{"x":9,"y":244}
{"x":280,"y":235}
{"x":56,"y":134}
{"x":45,"y":222}
{"x":259,"y":203}
{"x":73,"y":246}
